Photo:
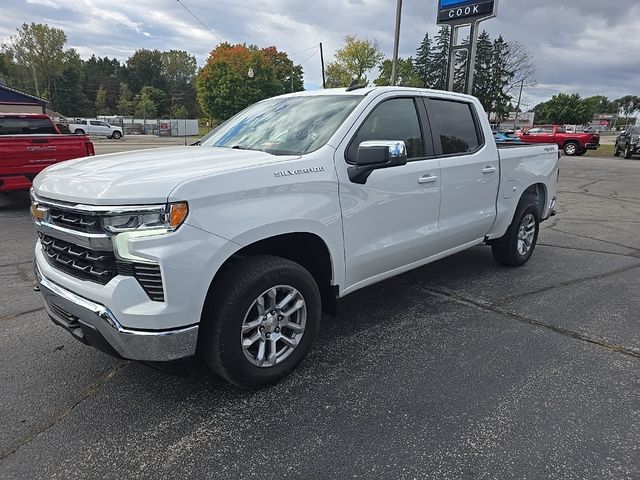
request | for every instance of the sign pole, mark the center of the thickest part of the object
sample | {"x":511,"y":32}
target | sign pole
{"x":396,"y":44}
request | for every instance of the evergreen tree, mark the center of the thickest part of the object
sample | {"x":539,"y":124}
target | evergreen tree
{"x":482,"y":85}
{"x":421,"y":63}
{"x":125,"y":104}
{"x":500,"y":79}
{"x":439,"y":61}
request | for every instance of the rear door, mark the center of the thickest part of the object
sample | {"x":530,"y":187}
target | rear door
{"x":99,"y":128}
{"x":470,"y":172}
{"x":540,"y":135}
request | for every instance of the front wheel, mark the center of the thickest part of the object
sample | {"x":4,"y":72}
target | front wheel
{"x":627,"y":152}
{"x":616,"y":152}
{"x":116,"y":135}
{"x":518,"y":244}
{"x":259,"y":321}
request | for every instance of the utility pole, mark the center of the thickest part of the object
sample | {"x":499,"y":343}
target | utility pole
{"x":324,"y":82}
{"x":35,"y":80}
{"x":396,"y":44}
{"x":515,"y":122}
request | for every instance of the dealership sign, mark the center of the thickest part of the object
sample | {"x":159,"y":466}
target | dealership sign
{"x":456,"y":12}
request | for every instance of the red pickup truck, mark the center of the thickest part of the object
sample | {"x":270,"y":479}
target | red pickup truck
{"x":31,"y":142}
{"x":571,"y":143}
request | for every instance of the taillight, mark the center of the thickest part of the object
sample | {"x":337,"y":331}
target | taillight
{"x":90,"y":149}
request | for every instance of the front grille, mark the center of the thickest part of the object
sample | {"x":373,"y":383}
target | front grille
{"x":99,"y":267}
{"x":75,"y":221}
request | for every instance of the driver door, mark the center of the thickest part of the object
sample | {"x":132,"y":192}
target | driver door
{"x":391,"y":221}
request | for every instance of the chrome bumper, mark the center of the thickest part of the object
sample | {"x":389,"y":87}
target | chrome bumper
{"x":95,"y":325}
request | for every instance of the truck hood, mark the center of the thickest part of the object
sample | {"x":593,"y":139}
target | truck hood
{"x":141,"y":177}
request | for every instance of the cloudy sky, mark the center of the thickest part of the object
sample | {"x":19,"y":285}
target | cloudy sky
{"x":585,"y":46}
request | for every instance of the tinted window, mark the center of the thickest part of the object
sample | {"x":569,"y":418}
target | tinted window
{"x":455,"y":126}
{"x":96,"y":123}
{"x":26,"y":126}
{"x":395,"y":119}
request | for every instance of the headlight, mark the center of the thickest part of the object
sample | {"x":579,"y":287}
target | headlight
{"x":168,"y":218}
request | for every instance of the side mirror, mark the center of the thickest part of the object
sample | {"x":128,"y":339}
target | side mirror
{"x":374,"y":155}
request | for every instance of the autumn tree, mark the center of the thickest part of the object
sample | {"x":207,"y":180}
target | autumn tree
{"x":353,"y":61}
{"x":237,"y":76}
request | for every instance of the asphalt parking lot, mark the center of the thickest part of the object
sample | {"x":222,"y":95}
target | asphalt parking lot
{"x":461,"y":369}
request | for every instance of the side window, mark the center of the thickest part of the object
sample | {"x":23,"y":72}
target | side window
{"x":93,"y":122}
{"x":546,"y":130}
{"x":395,"y":119}
{"x":455,"y":126}
{"x":534,"y":130}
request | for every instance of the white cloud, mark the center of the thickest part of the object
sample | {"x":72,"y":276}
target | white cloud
{"x":579,"y":45}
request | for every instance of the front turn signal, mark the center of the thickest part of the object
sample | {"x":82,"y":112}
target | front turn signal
{"x":177,"y":214}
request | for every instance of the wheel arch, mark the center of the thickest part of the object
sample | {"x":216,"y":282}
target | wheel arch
{"x":305,"y":248}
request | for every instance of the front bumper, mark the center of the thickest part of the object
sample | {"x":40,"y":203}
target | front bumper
{"x":94,"y":324}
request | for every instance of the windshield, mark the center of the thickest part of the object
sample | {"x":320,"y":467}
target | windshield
{"x":284,"y":125}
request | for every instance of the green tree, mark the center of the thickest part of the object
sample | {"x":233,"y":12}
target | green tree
{"x":159,"y":99}
{"x":500,"y":79}
{"x":423,"y":60}
{"x":100,"y":104}
{"x":436,"y":75}
{"x":71,"y":99}
{"x":145,"y":107}
{"x":125,"y":104}
{"x":145,"y":68}
{"x":563,"y":109}
{"x":180,"y":112}
{"x":180,"y":69}
{"x":407,"y":74}
{"x":482,"y":83}
{"x":41,"y":49}
{"x":353,"y":61}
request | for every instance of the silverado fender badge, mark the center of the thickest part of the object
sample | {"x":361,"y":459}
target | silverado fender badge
{"x":298,"y":171}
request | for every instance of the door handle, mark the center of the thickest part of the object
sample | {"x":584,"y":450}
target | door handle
{"x":427,"y":179}
{"x":488,"y":170}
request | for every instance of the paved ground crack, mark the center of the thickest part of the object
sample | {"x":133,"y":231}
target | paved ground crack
{"x":635,"y":254}
{"x":492,"y":307}
{"x":555,"y":229}
{"x":567,"y":283}
{"x":92,"y":390}
{"x":14,"y":315}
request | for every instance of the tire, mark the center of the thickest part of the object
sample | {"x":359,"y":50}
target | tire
{"x":627,"y":152}
{"x":79,"y":131}
{"x":116,"y":135}
{"x":571,"y":149}
{"x":235,"y":302}
{"x":508,"y":250}
{"x":616,"y":152}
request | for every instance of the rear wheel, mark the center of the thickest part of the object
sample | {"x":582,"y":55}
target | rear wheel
{"x":571,"y":149}
{"x":518,"y":244}
{"x":260,"y":321}
{"x":627,"y":152}
{"x":616,"y":152}
{"x":78,"y":131}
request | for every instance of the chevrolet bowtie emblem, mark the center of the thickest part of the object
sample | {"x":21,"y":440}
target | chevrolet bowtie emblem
{"x":37,"y":212}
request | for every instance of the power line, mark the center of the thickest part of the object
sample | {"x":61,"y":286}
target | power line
{"x":200,"y":22}
{"x":310,"y":56}
{"x":301,"y":51}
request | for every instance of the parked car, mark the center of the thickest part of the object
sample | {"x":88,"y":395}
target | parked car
{"x":628,"y":142}
{"x":571,"y":143}
{"x":96,"y":128}
{"x":508,"y":136}
{"x":31,"y":142}
{"x":231,"y":249}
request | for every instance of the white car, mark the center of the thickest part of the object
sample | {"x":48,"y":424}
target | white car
{"x":95,"y":128}
{"x":231,"y":249}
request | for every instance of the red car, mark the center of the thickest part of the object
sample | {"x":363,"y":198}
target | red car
{"x":29,"y":143}
{"x":571,"y":143}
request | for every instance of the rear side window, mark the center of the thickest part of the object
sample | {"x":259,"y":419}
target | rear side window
{"x":394,"y":119}
{"x":93,"y":122}
{"x":26,"y":126}
{"x":455,"y":124}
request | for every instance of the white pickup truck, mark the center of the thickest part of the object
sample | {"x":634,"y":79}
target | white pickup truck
{"x":95,"y":128}
{"x":231,"y":248}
